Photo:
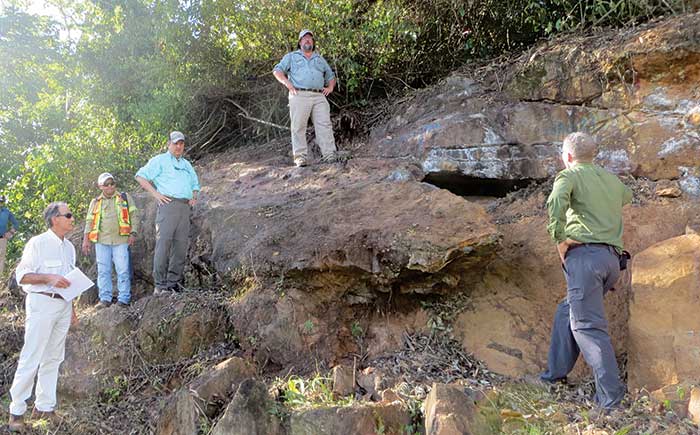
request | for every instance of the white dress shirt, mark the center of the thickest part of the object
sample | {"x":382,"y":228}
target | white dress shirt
{"x":45,"y":253}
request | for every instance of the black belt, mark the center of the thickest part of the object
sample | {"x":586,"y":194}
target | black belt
{"x":51,"y":295}
{"x":578,"y":245}
{"x":309,"y":90}
{"x":180,"y":200}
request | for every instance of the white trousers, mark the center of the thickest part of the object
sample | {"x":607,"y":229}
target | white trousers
{"x":307,"y":104}
{"x":45,"y":330}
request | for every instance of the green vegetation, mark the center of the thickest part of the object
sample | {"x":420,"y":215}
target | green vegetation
{"x":301,"y":393}
{"x":98,"y":87}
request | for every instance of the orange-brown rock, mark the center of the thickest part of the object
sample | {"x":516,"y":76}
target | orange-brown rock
{"x":663,"y":324}
{"x":452,"y":410}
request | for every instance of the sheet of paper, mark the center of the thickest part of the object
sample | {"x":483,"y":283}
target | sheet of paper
{"x":79,"y":282}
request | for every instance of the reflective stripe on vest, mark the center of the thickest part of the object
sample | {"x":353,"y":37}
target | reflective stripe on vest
{"x":123,"y":218}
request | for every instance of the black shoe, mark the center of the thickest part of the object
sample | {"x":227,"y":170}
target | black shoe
{"x":123,"y":304}
{"x":103,"y":304}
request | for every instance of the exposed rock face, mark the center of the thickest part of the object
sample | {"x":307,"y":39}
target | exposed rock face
{"x":161,"y":329}
{"x":389,"y":418}
{"x":354,"y":221}
{"x":451,"y":409}
{"x":181,"y":415}
{"x":663,"y":323}
{"x":634,"y":90}
{"x":249,"y":413}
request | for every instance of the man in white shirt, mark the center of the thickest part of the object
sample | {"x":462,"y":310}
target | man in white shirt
{"x":46,"y":259}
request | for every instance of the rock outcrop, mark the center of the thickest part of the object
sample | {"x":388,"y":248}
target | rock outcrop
{"x":664,"y":329}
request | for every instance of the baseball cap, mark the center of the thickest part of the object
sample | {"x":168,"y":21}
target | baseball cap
{"x":304,"y":32}
{"x":102,"y":179}
{"x":176,"y":136}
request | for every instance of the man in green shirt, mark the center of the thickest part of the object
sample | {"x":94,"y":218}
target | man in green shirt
{"x":111,"y":224}
{"x":585,"y":221}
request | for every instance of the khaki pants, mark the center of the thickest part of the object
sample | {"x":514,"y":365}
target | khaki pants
{"x":313,"y":104}
{"x":3,"y":249}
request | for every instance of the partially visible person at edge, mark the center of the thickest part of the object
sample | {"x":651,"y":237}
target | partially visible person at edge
{"x":111,"y":225}
{"x":47,"y":258}
{"x":172,"y":181}
{"x":309,"y":79}
{"x":585,"y":221}
{"x":8,"y":228}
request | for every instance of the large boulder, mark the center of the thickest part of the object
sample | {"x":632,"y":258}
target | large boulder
{"x":197,"y":400}
{"x":369,"y":224}
{"x":663,"y":321}
{"x":251,"y":412}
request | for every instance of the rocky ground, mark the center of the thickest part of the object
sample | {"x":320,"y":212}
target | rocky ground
{"x":409,"y":288}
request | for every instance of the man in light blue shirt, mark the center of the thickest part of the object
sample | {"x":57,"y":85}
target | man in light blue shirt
{"x":309,"y":79}
{"x":172,"y":181}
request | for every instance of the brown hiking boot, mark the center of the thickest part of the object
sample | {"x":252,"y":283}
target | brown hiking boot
{"x":16,"y":423}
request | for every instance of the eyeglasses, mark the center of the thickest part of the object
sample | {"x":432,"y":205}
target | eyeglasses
{"x":67,"y":215}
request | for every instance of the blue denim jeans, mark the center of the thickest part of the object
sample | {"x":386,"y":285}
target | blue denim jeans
{"x":119,"y":255}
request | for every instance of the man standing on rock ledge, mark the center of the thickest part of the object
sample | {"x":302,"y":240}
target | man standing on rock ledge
{"x":585,"y":220}
{"x":46,"y":259}
{"x":309,"y":79}
{"x":172,"y":181}
{"x":111,"y":225}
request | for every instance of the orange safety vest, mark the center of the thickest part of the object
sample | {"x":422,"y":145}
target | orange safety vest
{"x":123,"y":218}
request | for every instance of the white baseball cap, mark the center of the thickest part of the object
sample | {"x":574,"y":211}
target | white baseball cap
{"x":102,"y":179}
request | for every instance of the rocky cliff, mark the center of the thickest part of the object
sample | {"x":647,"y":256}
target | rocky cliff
{"x":423,"y":257}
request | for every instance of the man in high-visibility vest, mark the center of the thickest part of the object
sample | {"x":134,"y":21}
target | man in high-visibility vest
{"x":111,"y":224}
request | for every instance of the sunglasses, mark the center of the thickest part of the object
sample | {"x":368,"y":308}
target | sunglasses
{"x":67,"y":215}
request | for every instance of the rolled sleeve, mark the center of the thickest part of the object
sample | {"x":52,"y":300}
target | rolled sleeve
{"x":194,"y":180}
{"x":88,"y":217}
{"x":328,"y":73}
{"x":557,"y":205}
{"x":284,"y":65}
{"x":28,"y":263}
{"x":152,"y":169}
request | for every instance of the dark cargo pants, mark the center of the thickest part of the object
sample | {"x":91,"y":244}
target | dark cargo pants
{"x":172,"y":241}
{"x":580,"y":325}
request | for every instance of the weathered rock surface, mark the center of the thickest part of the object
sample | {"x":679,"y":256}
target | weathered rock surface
{"x":162,"y":329}
{"x":635,"y":90}
{"x":664,"y":329}
{"x":451,"y":410}
{"x":354,"y":221}
{"x":389,"y":418}
{"x":171,"y":329}
{"x":249,"y":413}
{"x":183,"y":412}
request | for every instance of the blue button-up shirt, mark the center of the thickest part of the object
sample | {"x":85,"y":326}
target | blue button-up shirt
{"x":6,"y":217}
{"x":313,"y":73}
{"x":171,"y":176}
